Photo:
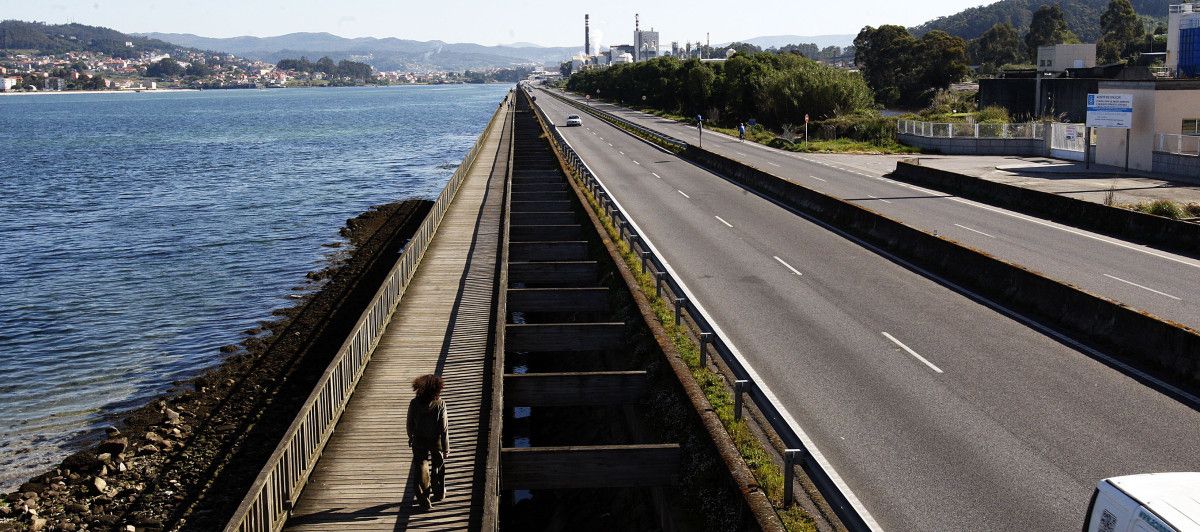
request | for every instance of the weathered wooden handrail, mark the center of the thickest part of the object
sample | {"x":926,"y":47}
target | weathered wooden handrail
{"x":274,"y":492}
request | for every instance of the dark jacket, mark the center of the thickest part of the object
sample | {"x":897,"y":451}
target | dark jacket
{"x":428,"y":425}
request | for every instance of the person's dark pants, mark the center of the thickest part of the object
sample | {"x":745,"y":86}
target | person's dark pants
{"x":429,"y":469}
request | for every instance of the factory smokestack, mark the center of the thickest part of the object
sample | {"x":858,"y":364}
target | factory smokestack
{"x":587,"y":37}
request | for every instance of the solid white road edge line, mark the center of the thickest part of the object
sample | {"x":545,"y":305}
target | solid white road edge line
{"x":817,"y":456}
{"x":878,"y":198}
{"x":913,"y":353}
{"x":789,"y":266}
{"x":723,"y":221}
{"x":1143,"y":287}
{"x":1053,"y":225}
{"x":1187,"y":397}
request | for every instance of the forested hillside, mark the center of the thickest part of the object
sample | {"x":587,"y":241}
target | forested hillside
{"x":1083,"y":16}
{"x":62,"y":38}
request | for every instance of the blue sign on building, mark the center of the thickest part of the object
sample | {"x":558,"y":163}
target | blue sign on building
{"x":1189,"y":52}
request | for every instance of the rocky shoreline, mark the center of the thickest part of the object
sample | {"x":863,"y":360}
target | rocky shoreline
{"x":183,"y":461}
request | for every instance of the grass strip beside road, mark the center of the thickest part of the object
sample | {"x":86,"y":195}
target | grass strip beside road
{"x":716,"y":390}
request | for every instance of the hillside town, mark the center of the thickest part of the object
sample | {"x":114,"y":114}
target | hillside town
{"x":25,"y":71}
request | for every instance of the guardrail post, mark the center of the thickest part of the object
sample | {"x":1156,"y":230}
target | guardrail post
{"x":790,"y":458}
{"x":645,"y":255}
{"x":678,"y":309}
{"x":739,"y":389}
{"x":705,"y":339}
{"x":658,"y":279}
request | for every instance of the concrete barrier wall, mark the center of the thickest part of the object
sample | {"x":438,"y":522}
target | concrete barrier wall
{"x":974,"y":146}
{"x":1155,"y":231}
{"x":1141,"y":340}
{"x":1184,"y":168}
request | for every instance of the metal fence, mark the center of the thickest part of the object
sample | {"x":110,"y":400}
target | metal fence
{"x":277,"y":487}
{"x":1029,"y":130}
{"x":1178,"y":144}
{"x":801,"y":450}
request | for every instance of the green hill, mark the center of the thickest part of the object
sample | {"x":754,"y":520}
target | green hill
{"x":1083,"y":16}
{"x":62,"y":38}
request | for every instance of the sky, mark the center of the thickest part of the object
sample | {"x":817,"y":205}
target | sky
{"x":488,"y":22}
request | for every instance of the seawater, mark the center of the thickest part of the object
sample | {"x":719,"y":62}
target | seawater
{"x":141,"y":232}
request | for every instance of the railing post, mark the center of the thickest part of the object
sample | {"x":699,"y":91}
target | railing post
{"x":658,"y":279}
{"x":739,"y":389}
{"x":678,"y":309}
{"x":977,"y":130}
{"x":790,"y":458}
{"x":645,"y":255}
{"x":705,"y":339}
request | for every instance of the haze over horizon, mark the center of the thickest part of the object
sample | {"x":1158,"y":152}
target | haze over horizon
{"x":541,"y":22}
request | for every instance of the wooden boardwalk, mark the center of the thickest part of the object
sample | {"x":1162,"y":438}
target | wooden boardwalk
{"x":443,"y":324}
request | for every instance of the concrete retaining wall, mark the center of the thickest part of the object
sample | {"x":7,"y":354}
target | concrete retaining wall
{"x":1156,"y":231}
{"x":974,"y":146}
{"x":1141,"y":340}
{"x":1184,"y":168}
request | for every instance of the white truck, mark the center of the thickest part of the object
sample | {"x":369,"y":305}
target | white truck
{"x":1154,"y":502}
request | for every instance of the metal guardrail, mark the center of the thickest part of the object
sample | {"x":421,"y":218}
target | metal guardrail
{"x":1029,"y":130}
{"x":1178,"y":144}
{"x":666,"y":141}
{"x":270,"y":499}
{"x":801,"y":449}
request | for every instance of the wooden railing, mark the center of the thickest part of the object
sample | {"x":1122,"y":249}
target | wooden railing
{"x":276,"y":489}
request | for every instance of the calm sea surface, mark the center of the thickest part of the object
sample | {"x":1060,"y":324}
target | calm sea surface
{"x":141,"y":232}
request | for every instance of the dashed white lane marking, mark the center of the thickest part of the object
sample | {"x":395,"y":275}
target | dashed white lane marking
{"x":1143,"y":287}
{"x":684,"y":195}
{"x":635,"y":162}
{"x":740,"y":153}
{"x":789,"y":266}
{"x":773,"y":164}
{"x":723,"y":221}
{"x":1179,"y":260}
{"x":621,"y":152}
{"x":974,"y":230}
{"x":610,"y":145}
{"x":913,"y":353}
{"x":878,"y":198}
{"x":655,"y":175}
{"x":817,"y":178}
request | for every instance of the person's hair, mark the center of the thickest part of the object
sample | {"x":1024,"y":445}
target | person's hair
{"x":428,"y":386}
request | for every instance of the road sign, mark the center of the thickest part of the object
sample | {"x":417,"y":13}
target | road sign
{"x":805,"y":118}
{"x":1110,"y":111}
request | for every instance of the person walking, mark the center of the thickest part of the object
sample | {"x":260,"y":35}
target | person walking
{"x":741,"y":131}
{"x":429,"y":437}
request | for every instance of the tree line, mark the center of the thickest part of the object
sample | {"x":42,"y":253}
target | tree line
{"x":342,"y":69}
{"x":906,"y":70}
{"x":775,"y":89}
{"x":169,"y":68}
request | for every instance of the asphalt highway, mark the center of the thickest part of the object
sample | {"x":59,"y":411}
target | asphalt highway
{"x":938,"y":412}
{"x":1161,"y":283}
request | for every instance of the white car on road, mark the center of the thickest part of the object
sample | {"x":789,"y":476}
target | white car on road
{"x":573,"y":120}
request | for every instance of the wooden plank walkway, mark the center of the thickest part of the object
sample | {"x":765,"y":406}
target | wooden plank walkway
{"x":443,"y":324}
